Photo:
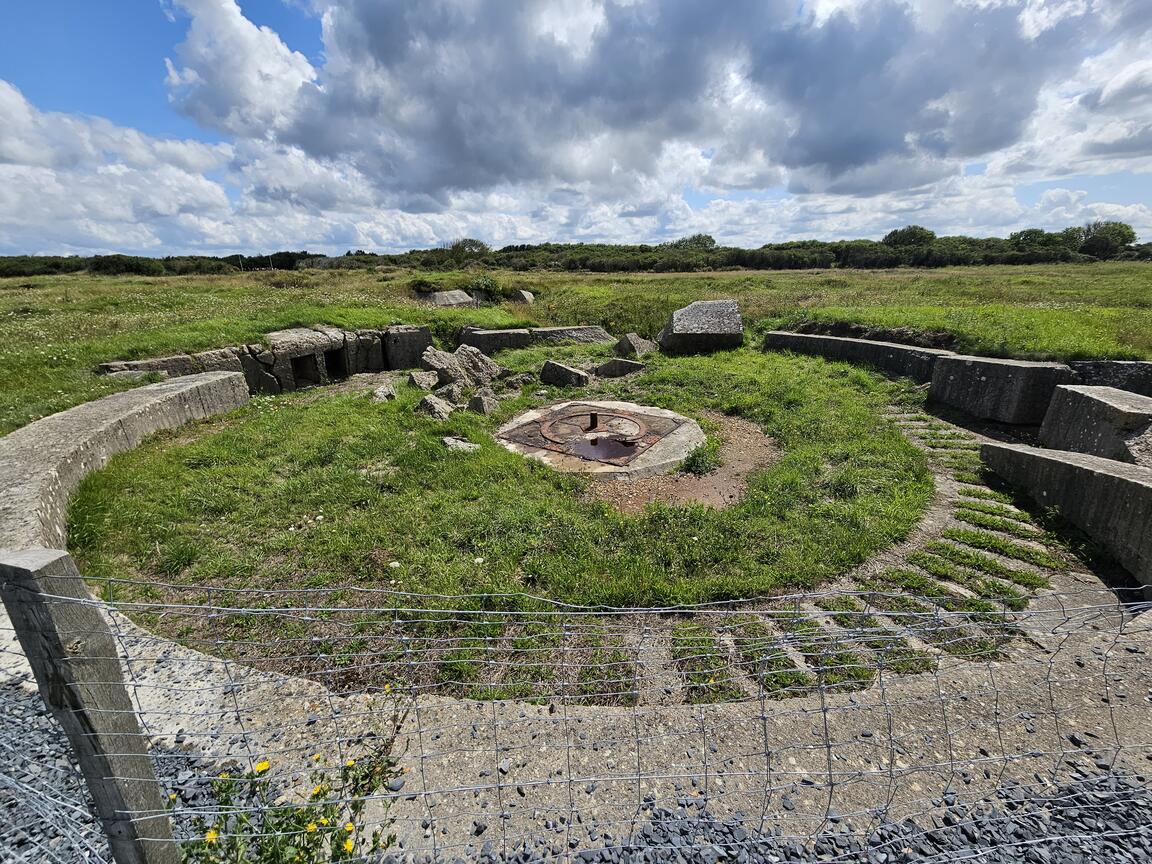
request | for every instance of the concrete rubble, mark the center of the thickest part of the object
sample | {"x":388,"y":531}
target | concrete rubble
{"x":703,"y":327}
{"x":560,"y":375}
{"x":1101,"y":421}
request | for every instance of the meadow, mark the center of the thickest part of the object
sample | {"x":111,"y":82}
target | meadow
{"x":55,"y":329}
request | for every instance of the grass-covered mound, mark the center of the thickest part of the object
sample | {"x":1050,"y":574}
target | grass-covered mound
{"x":320,"y":491}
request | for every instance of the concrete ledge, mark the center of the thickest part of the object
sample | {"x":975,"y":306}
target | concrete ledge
{"x":42,"y":463}
{"x":1009,"y":391}
{"x":1110,"y":501}
{"x":910,"y":361}
{"x":1101,"y":421}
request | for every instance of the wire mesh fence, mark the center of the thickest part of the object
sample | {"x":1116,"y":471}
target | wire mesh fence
{"x":858,"y":724}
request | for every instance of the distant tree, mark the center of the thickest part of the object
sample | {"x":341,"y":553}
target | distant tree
{"x":911,"y":235}
{"x":1107,"y":239}
{"x":467,"y":249}
{"x":701,"y":242}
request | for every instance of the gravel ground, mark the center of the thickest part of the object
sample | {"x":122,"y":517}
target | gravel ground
{"x":1092,"y":817}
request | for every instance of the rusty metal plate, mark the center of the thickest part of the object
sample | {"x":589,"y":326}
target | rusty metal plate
{"x":594,"y":433}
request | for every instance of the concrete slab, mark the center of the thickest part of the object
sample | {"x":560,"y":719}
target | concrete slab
{"x":1132,"y":375}
{"x":1110,"y":501}
{"x":42,"y":463}
{"x":491,"y":341}
{"x":910,"y":361}
{"x":1102,"y":421}
{"x":703,"y":326}
{"x":1008,"y":391}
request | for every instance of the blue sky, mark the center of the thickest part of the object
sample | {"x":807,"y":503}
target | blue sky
{"x":166,"y":126}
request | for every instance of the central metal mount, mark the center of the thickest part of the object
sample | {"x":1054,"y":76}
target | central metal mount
{"x":603,"y":437}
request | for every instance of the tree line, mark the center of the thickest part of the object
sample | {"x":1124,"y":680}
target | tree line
{"x":911,"y":246}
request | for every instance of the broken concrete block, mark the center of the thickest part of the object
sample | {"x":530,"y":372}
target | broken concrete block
{"x":460,"y":445}
{"x":522,"y":296}
{"x":447,"y":367}
{"x":371,"y":351}
{"x":174,"y":367}
{"x":1110,"y":501}
{"x":219,"y":360}
{"x":423,"y":380}
{"x":453,"y":393}
{"x":435,"y":407}
{"x":478,"y":366}
{"x":451,"y":298}
{"x":491,"y":341}
{"x":483,"y":401}
{"x":634,"y":345}
{"x":1009,"y":391}
{"x":909,"y":361}
{"x":1102,"y":421}
{"x":136,"y":375}
{"x":702,"y":327}
{"x":618,"y":367}
{"x":384,"y":393}
{"x":560,"y":375}
{"x":404,"y":344}
{"x":586,"y":334}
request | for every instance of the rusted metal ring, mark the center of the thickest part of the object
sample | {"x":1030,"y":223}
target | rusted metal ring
{"x":546,"y":427}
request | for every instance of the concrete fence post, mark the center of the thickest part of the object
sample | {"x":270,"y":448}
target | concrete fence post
{"x":73,"y":656}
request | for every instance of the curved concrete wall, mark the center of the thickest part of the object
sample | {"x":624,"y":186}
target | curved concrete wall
{"x":42,"y":463}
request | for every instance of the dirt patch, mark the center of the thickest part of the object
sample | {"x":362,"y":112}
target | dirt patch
{"x":744,"y":449}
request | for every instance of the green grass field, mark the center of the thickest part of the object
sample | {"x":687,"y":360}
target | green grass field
{"x":333,"y":501}
{"x":54,"y":330}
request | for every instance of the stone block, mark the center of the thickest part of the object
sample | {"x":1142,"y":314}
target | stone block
{"x":1008,"y":391}
{"x":483,"y":401}
{"x":435,"y":407}
{"x":522,"y":296}
{"x":371,"y":350}
{"x":1102,"y":421}
{"x":1109,"y":501}
{"x":589,"y":335}
{"x":909,"y":361}
{"x":452,"y":393}
{"x":447,"y":366}
{"x":634,"y":345}
{"x":479,"y":368}
{"x":384,"y":393}
{"x":560,"y":375}
{"x":491,"y":341}
{"x":452,"y":298}
{"x":173,"y":367}
{"x":702,"y":327}
{"x":219,"y":360}
{"x":422,"y":379}
{"x":1132,"y":375}
{"x":404,"y":344}
{"x":618,"y":367}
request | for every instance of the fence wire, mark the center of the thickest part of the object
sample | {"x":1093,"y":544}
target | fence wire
{"x":866,"y":724}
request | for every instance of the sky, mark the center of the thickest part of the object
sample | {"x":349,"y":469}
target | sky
{"x":164,"y":127}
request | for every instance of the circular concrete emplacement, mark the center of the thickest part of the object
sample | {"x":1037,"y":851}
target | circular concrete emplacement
{"x":619,"y":440}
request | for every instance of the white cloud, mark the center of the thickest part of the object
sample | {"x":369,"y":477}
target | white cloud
{"x":588,"y":119}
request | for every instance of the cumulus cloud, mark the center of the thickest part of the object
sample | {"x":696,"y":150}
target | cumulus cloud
{"x":588,"y":119}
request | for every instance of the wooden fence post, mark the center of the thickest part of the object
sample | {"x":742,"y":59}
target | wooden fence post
{"x":72,"y":653}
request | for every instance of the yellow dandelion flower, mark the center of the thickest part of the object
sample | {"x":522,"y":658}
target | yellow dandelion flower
{"x":262,"y":766}
{"x":171,"y":796}
{"x":318,"y":791}
{"x":323,"y":820}
{"x":315,"y":757}
{"x":349,"y":827}
{"x":211,"y":836}
{"x":351,"y":763}
{"x":349,"y":845}
{"x":310,"y":827}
